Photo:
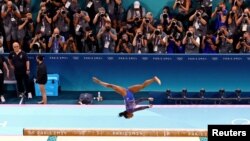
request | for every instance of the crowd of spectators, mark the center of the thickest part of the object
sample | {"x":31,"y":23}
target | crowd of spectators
{"x":105,"y":26}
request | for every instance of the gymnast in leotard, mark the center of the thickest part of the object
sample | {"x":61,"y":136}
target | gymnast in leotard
{"x":128,"y":95}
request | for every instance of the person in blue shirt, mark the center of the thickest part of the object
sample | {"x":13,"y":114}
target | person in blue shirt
{"x":128,"y":95}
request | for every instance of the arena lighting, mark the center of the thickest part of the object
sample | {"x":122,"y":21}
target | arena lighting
{"x":222,"y":92}
{"x":202,"y":93}
{"x":168,"y":93}
{"x":184,"y":93}
{"x":238,"y":93}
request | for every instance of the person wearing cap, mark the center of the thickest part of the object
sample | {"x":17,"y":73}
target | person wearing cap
{"x":41,"y":77}
{"x":135,"y":14}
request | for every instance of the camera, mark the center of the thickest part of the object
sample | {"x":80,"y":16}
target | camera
{"x":91,"y":35}
{"x":139,"y":36}
{"x":174,"y":23}
{"x":57,"y":36}
{"x":63,"y":12}
{"x":108,"y":29}
{"x":178,"y":2}
{"x":165,"y":15}
{"x":198,"y":14}
{"x":102,"y":15}
{"x":79,"y":11}
{"x":244,"y":15}
{"x":241,"y":39}
{"x":219,"y":33}
{"x":157,"y":32}
{"x":124,"y":40}
{"x":189,"y":34}
{"x":147,"y":20}
{"x":30,"y":21}
{"x":36,"y":46}
{"x":137,"y":19}
{"x":219,"y":9}
{"x":232,"y":13}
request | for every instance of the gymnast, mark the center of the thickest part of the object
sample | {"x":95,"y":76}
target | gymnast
{"x":128,"y":95}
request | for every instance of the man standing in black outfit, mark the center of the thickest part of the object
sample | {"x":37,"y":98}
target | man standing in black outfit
{"x":19,"y":61}
{"x":41,"y":78}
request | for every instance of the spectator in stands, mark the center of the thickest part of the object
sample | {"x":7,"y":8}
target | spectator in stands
{"x":38,"y":44}
{"x":25,"y":31}
{"x":44,"y":22}
{"x":184,"y":9}
{"x":165,"y":17}
{"x":147,"y":25}
{"x":100,"y":18}
{"x":157,"y":39}
{"x":116,"y":12}
{"x":10,"y":15}
{"x":128,"y":94}
{"x":200,"y":20}
{"x":174,"y":30}
{"x":62,"y":21}
{"x":81,"y":22}
{"x":107,"y":37}
{"x":224,"y":40}
{"x":207,"y":6}
{"x":19,"y":61}
{"x":89,"y":42}
{"x":124,"y":45}
{"x":191,"y":41}
{"x":70,"y":45}
{"x":92,"y":7}
{"x":3,"y":66}
{"x":208,"y":44}
{"x":24,"y":6}
{"x":1,"y":43}
{"x":56,"y":42}
{"x":140,"y":43}
{"x":244,"y":43}
{"x":220,"y":13}
{"x":244,"y":21}
{"x":41,"y":77}
{"x":136,"y":14}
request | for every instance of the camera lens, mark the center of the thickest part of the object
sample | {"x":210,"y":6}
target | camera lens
{"x":157,"y":32}
{"x":90,"y":34}
{"x":108,"y":29}
{"x":57,"y":36}
{"x":139,"y":35}
{"x":189,"y":34}
{"x":63,"y":12}
{"x":165,"y":15}
{"x":147,"y":20}
{"x":198,"y":14}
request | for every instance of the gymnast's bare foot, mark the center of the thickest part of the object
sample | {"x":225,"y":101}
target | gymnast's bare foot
{"x":157,"y":80}
{"x":150,"y":99}
{"x":96,"y":80}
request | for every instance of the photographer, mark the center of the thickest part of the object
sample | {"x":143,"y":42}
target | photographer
{"x":220,"y":13}
{"x":56,"y":42}
{"x":173,"y":44}
{"x":207,"y":5}
{"x":116,"y":12}
{"x":25,"y":31}
{"x":232,"y":19}
{"x":159,"y":45}
{"x":175,"y":26}
{"x":10,"y":15}
{"x":70,"y":45}
{"x":208,"y":44}
{"x":224,"y":40}
{"x":244,"y":21}
{"x":135,"y":14}
{"x":89,"y":42}
{"x":24,"y":6}
{"x":38,"y":44}
{"x":147,"y":25}
{"x":184,"y":9}
{"x":107,"y":37}
{"x":124,"y":46}
{"x":165,"y":17}
{"x":200,"y":20}
{"x":61,"y":20}
{"x":244,"y":43}
{"x":43,"y":22}
{"x":191,"y":41}
{"x":140,"y":43}
{"x":81,"y":21}
{"x":100,"y":18}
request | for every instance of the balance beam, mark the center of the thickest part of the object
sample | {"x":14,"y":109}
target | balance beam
{"x":115,"y":132}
